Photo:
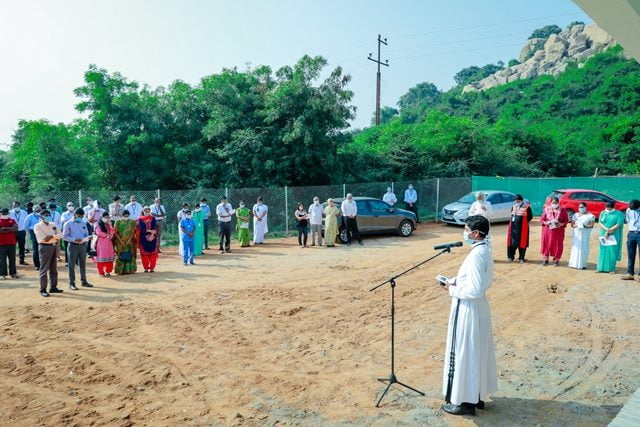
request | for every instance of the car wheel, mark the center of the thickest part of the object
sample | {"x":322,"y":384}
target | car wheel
{"x":343,"y":236}
{"x":570,"y":213}
{"x":405,"y":229}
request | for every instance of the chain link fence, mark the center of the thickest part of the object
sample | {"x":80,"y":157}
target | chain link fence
{"x":432,"y":195}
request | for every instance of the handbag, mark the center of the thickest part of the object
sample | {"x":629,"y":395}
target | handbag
{"x":125,"y":256}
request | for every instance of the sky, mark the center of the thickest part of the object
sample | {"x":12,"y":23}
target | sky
{"x":47,"y":45}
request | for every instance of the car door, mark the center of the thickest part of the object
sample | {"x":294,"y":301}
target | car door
{"x":496,"y":207}
{"x":597,"y":203}
{"x":505,"y":206}
{"x":364,"y":216}
{"x":383,"y":216}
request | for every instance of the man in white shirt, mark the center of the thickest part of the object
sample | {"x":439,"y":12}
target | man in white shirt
{"x":480,"y":206}
{"x":116,"y":209}
{"x":349,"y":210}
{"x":159,"y":213}
{"x":88,"y":207}
{"x":134,"y":208}
{"x":633,"y":237}
{"x":224,"y":211}
{"x":390,"y":197}
{"x":47,"y":235}
{"x":315,"y":218}
{"x":19,"y":216}
{"x":204,"y":207}
{"x":470,"y":373}
{"x":411,"y":200}
{"x":67,"y":216}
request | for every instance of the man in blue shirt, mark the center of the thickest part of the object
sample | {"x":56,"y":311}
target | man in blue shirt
{"x":188,"y":228}
{"x":30,"y":221}
{"x":204,"y":207}
{"x":76,"y":233}
{"x":19,"y":215}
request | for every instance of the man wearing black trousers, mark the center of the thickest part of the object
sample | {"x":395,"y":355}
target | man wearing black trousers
{"x":349,"y":213}
{"x":19,"y":216}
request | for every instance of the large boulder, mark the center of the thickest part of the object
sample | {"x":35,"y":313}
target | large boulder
{"x":597,"y":35}
{"x":531,"y":46}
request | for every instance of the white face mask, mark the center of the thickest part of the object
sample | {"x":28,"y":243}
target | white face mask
{"x":554,"y":205}
{"x":189,"y":216}
{"x":16,"y":209}
{"x":583,"y":209}
{"x":467,"y":239}
{"x":259,"y":203}
{"x":4,"y":216}
{"x":242,"y":205}
{"x":70,"y":208}
{"x":316,"y":202}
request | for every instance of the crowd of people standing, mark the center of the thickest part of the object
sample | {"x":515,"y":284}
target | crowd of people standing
{"x":554,"y":221}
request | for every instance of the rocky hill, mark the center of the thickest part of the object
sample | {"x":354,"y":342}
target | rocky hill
{"x":550,"y":56}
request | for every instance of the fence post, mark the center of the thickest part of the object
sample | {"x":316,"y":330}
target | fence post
{"x":226,"y":192}
{"x":393,"y":187}
{"x":158,"y":192}
{"x":344,"y":190}
{"x":79,"y":198}
{"x":286,"y":212}
{"x":437,"y":198}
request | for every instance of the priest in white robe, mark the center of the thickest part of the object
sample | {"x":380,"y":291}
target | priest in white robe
{"x":390,"y":197}
{"x":470,"y":363}
{"x":480,"y":206}
{"x":260,"y":228}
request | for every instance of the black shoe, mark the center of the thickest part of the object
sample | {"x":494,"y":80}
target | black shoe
{"x":44,"y":293}
{"x":55,"y":291}
{"x":510,"y":259}
{"x":23,"y":263}
{"x":464,"y":409}
{"x":521,"y":261}
{"x":228,"y":251}
{"x":545,"y":263}
{"x":361,"y":244}
{"x":480,"y":404}
{"x":73,"y":287}
{"x":87,"y":285}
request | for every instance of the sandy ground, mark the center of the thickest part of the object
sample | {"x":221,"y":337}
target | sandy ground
{"x":282,"y":335}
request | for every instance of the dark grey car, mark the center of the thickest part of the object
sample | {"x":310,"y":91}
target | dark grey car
{"x":378,"y":217}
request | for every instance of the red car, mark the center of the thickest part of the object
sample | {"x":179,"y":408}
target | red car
{"x":595,"y":201}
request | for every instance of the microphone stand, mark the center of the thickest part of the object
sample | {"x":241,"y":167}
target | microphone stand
{"x":392,"y":379}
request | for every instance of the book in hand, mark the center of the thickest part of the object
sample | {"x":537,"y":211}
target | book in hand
{"x":608,"y":240}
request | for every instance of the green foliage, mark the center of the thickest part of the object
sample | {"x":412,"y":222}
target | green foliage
{"x":513,"y":62}
{"x":474,"y":73}
{"x":574,"y":23}
{"x":568,"y":125}
{"x":386,"y":114}
{"x":544,"y":32}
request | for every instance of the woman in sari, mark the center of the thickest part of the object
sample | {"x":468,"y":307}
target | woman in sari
{"x":554,"y":220}
{"x":126,"y":240}
{"x":582,"y":223}
{"x":611,"y":223}
{"x":331,"y":214}
{"x":148,"y":241}
{"x":104,"y":245}
{"x":243,"y":213}
{"x":198,"y":238}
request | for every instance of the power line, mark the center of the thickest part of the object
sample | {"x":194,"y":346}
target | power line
{"x":460,"y":41}
{"x":454,"y":52}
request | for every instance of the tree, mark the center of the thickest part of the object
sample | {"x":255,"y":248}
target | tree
{"x":544,"y":32}
{"x":474,"y":73}
{"x":386,"y":113}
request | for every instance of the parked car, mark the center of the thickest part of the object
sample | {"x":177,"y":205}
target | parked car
{"x":501,"y":202}
{"x":595,"y":201}
{"x":378,"y":217}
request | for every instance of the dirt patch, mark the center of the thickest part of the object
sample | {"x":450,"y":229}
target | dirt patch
{"x":279,"y":334}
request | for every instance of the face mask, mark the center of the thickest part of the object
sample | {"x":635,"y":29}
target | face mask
{"x":147,"y":213}
{"x":104,"y":220}
{"x":48,"y":218}
{"x":242,"y":205}
{"x":16,"y":209}
{"x":316,"y":202}
{"x":77,"y":219}
{"x":609,"y":209}
{"x":554,"y":205}
{"x":583,"y":210}
{"x":465,"y":236}
{"x":259,"y":203}
{"x":189,"y":216}
{"x":184,"y":209}
{"x":517,"y":204}
{"x":4,"y":216}
{"x":126,"y":217}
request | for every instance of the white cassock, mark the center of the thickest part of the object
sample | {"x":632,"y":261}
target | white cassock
{"x":580,"y":243}
{"x":476,"y":208}
{"x":475,"y":374}
{"x":390,"y":198}
{"x":260,"y":228}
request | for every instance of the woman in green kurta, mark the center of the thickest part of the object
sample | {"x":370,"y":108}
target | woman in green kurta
{"x":331,"y":214}
{"x":126,"y":241}
{"x":243,"y":213}
{"x":611,"y":224}
{"x":198,"y":238}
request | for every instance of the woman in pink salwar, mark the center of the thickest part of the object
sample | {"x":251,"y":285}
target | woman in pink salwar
{"x":554,"y":220}
{"x":104,"y":246}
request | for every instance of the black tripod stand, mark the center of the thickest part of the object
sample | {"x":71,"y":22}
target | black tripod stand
{"x":392,"y":281}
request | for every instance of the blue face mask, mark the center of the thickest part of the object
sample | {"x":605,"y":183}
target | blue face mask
{"x":77,"y":219}
{"x":48,"y":218}
{"x":467,"y":239}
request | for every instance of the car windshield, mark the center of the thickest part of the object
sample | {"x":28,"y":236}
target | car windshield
{"x":469,"y":198}
{"x":557,"y":194}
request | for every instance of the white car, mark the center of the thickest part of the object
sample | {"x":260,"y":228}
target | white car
{"x":501,"y":203}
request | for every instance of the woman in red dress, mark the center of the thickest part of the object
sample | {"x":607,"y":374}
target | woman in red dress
{"x":148,"y":240}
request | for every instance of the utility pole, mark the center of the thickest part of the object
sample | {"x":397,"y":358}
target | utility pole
{"x":379,"y":62}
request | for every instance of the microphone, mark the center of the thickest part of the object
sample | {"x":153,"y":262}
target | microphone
{"x":447,"y":246}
